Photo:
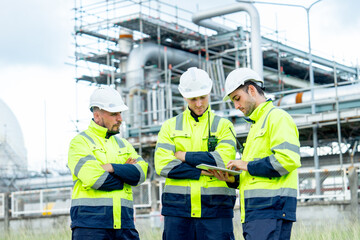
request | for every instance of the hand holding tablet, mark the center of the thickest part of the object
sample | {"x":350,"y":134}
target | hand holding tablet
{"x":207,"y":167}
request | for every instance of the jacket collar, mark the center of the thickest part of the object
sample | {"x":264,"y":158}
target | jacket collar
{"x":203,"y":117}
{"x":260,"y":110}
{"x":97,"y":129}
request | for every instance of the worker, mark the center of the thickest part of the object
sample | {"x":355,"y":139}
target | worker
{"x":104,"y":168}
{"x":269,"y":178}
{"x":195,"y":204}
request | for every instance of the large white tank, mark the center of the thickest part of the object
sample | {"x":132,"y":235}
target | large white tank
{"x":13,"y":157}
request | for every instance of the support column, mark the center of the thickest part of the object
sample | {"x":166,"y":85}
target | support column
{"x":354,"y":184}
{"x":7,"y":213}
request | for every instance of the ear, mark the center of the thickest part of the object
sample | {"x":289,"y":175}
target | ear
{"x":252,"y":90}
{"x":96,"y":116}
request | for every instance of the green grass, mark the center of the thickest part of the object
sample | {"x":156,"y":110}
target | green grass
{"x":325,"y":229}
{"x":29,"y":234}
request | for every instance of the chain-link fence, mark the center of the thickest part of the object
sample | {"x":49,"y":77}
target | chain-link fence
{"x":324,"y":184}
{"x":142,"y":195}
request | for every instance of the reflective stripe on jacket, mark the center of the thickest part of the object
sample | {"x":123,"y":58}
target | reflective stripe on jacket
{"x":272,"y":148}
{"x":186,"y":193}
{"x":101,"y":199}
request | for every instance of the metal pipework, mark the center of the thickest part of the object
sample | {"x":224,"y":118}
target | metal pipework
{"x":151,"y":52}
{"x":135,"y":69}
{"x":319,"y":94}
{"x":202,"y":19}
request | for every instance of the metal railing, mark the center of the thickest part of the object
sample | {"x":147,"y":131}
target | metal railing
{"x":41,"y":202}
{"x":58,"y":201}
{"x":334,"y":187}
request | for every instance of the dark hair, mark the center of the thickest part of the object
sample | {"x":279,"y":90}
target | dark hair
{"x":94,"y":109}
{"x":257,"y":87}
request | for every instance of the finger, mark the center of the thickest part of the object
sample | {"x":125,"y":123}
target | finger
{"x":230,"y":164}
{"x":212,"y":171}
{"x":130,"y":160}
{"x":207,"y":173}
{"x":220,"y":175}
{"x":215,"y":173}
{"x":224,"y":175}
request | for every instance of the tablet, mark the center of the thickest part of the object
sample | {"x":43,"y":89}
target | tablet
{"x":207,"y":167}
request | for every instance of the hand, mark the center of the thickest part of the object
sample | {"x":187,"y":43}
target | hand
{"x":131,"y":161}
{"x":206,"y":173}
{"x":237,"y":164}
{"x":180,"y":155}
{"x":108,"y":167}
{"x":222,"y":176}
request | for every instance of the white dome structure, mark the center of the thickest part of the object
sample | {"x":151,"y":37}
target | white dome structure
{"x":13,"y":155}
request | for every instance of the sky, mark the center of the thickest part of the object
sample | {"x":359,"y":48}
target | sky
{"x":38,"y":85}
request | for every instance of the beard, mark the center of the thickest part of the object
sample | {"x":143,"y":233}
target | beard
{"x":115,"y":129}
{"x":250,"y":109}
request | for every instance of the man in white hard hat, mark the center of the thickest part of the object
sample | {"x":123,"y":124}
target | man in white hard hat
{"x":268,"y":183}
{"x":195,"y":204}
{"x":104,"y":169}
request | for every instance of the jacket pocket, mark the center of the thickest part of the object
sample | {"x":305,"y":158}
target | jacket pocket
{"x":256,"y":192}
{"x":182,"y":140}
{"x":92,"y":211}
{"x":99,"y":154}
{"x":123,"y":155}
{"x":255,"y":203}
{"x":260,"y":133}
{"x":174,"y":200}
{"x":127,"y":189}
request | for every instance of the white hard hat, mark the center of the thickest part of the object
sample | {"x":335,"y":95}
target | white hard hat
{"x":108,"y":99}
{"x":194,"y":83}
{"x":239,"y":77}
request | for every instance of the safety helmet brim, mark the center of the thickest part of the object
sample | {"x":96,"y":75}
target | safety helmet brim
{"x":199,"y":93}
{"x":111,"y":109}
{"x":239,"y":77}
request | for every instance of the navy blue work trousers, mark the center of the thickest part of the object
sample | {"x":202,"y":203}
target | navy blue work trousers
{"x":267,"y":229}
{"x":104,"y":234}
{"x":179,"y":228}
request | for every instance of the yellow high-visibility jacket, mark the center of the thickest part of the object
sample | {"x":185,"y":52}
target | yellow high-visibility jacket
{"x":101,"y":199}
{"x":186,"y":192}
{"x":268,"y":190}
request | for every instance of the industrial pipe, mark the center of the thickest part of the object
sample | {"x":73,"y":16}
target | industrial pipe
{"x":149,"y":53}
{"x":202,"y":19}
{"x":146,"y":52}
{"x":319,"y":94}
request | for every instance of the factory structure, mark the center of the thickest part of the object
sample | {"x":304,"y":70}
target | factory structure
{"x":141,"y":48}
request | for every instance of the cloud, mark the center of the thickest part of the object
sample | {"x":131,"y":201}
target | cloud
{"x":30,"y":89}
{"x":334,"y":29}
{"x":35,"y":31}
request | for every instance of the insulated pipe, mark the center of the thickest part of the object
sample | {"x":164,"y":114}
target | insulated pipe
{"x":137,"y":60}
{"x":201,"y":18}
{"x":319,"y":94}
{"x":150,"y":52}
